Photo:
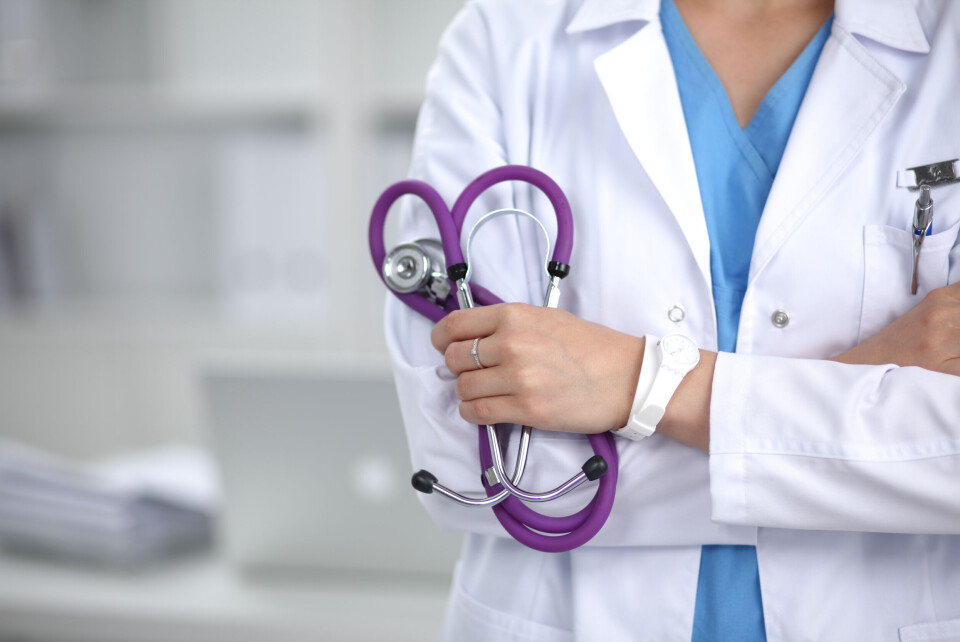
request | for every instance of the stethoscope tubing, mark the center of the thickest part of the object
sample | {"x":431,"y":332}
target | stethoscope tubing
{"x":563,"y":245}
{"x":567,"y":532}
{"x":449,"y":238}
{"x":533,"y":529}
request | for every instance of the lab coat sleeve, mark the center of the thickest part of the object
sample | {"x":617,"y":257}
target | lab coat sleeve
{"x":460,"y":134}
{"x":458,"y":137}
{"x":810,"y":444}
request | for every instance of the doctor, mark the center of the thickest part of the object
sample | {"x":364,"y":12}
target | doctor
{"x":733,"y":170}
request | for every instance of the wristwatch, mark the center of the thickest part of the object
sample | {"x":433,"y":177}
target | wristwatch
{"x":675,"y":355}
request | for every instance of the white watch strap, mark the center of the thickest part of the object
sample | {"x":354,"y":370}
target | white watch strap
{"x":648,"y":374}
{"x":646,"y":418}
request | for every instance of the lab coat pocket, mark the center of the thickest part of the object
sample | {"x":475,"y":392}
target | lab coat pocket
{"x":888,"y":271}
{"x":469,"y":620}
{"x":945,"y":631}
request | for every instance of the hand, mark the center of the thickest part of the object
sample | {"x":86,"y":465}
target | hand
{"x":928,"y":336}
{"x":542,"y":367}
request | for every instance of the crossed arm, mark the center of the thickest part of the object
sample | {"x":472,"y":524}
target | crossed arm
{"x":550,"y":369}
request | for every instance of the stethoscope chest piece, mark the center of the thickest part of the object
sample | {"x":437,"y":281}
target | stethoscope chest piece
{"x":417,"y":266}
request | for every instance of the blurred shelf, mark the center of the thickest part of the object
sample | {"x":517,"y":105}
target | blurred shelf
{"x":204,"y":600}
{"x":158,"y":321}
{"x":143,"y":107}
{"x":150,"y":106}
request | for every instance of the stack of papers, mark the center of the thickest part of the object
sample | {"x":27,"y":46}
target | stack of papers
{"x":126,"y":511}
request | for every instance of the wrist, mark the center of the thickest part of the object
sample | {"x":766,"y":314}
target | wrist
{"x":687,"y":417}
{"x":666,"y":361}
{"x":632,"y":364}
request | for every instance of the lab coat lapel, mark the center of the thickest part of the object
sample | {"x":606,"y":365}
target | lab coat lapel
{"x":848,"y":97}
{"x":639,"y":80}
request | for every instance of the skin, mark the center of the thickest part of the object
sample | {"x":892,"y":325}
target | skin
{"x":550,"y":369}
{"x":769,"y":37}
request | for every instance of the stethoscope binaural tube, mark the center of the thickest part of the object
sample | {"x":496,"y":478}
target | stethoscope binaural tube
{"x":596,"y":466}
{"x":528,"y":526}
{"x":523,"y":523}
{"x":425,"y":482}
{"x":541,"y":532}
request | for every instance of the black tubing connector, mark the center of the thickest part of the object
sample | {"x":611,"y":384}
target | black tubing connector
{"x":556,"y":268}
{"x":595,"y":468}
{"x":424,"y":480}
{"x":457,"y":271}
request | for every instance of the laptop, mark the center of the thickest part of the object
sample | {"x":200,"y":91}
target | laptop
{"x":316,"y":471}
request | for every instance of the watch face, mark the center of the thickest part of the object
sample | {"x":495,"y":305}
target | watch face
{"x":681,"y":349}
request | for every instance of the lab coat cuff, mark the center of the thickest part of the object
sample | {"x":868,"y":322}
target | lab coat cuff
{"x":728,"y":484}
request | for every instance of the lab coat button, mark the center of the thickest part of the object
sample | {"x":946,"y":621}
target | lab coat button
{"x":676,"y":313}
{"x":780,"y":319}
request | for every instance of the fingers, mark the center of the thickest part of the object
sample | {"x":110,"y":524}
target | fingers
{"x":463,"y":325}
{"x":490,"y":410}
{"x":459,"y":355}
{"x":477,"y":383}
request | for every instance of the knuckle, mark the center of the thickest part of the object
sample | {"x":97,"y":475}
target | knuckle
{"x":514,"y":314}
{"x":939,"y":316}
{"x":932,"y":318}
{"x":449,"y":357}
{"x":481,"y":411}
{"x":437,"y":334}
{"x":510,"y":350}
{"x":525,"y":380}
{"x":940,"y":297}
{"x":453,"y":322}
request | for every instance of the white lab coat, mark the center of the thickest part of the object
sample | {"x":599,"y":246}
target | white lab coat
{"x":847,"y":478}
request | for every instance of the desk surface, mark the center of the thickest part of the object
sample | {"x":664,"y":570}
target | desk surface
{"x":203,"y":600}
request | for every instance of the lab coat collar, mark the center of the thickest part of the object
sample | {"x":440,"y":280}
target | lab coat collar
{"x":638,"y":78}
{"x":596,"y":14}
{"x":850,"y":94}
{"x":890,"y":22}
{"x":893,"y":23}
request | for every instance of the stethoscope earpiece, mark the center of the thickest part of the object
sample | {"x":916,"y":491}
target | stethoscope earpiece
{"x":423,"y":480}
{"x":595,"y":468}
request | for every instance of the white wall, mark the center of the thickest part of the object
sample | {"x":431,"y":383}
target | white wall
{"x":184,"y":177}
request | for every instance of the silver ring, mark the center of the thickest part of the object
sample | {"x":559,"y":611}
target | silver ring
{"x":473,"y":352}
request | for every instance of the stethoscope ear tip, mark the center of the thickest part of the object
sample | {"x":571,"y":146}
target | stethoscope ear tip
{"x":595,"y":468}
{"x":424,"y":480}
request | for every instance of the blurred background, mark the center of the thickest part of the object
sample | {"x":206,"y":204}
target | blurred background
{"x":184,"y":193}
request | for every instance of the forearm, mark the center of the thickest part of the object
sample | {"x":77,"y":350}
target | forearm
{"x":812,"y":444}
{"x":663,"y":489}
{"x":927,"y":336}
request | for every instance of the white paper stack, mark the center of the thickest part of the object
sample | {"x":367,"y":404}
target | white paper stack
{"x":126,"y":511}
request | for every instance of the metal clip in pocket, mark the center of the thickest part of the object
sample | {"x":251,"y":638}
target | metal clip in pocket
{"x":933,"y":174}
{"x":922,"y":224}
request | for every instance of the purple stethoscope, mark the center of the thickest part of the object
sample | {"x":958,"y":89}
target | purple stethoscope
{"x":415,"y":273}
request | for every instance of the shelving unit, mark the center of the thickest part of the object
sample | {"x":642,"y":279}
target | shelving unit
{"x":187,"y":175}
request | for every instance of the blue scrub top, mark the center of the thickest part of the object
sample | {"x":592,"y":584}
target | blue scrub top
{"x":735,"y":169}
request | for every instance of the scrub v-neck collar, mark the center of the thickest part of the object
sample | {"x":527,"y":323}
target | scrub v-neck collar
{"x":759,"y":141}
